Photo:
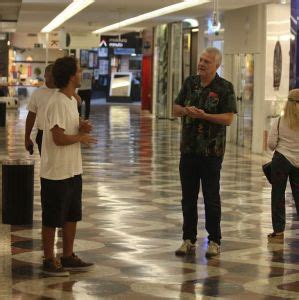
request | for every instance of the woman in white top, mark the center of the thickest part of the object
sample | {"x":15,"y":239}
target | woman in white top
{"x":284,"y":139}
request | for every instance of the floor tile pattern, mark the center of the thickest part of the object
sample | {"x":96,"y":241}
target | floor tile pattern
{"x":132,"y":222}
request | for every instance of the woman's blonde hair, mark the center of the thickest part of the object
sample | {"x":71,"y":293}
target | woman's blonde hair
{"x":291,"y":109}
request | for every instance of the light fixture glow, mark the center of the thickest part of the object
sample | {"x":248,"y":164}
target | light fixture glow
{"x":192,"y":22}
{"x":153,"y":14}
{"x":215,"y":24}
{"x":75,"y":7}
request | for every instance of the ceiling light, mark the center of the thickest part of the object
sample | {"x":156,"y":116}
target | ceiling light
{"x":8,"y":25}
{"x":153,"y":14}
{"x":215,"y":25}
{"x":75,"y":7}
{"x":215,"y":22}
{"x":192,"y":22}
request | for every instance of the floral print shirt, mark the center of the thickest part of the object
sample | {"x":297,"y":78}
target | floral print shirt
{"x":202,"y":137}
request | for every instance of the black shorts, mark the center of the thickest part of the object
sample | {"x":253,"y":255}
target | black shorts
{"x":61,"y":201}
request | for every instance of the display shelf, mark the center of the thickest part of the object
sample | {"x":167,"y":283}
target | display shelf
{"x":32,"y":62}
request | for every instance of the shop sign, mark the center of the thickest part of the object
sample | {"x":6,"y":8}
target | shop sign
{"x":103,"y":43}
{"x":116,"y":42}
{"x":124,"y":51}
{"x":53,"y":41}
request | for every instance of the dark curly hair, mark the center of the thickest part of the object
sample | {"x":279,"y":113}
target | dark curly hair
{"x":63,"y":69}
{"x":48,"y":68}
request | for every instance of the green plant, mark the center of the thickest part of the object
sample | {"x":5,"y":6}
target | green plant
{"x":37,"y":71}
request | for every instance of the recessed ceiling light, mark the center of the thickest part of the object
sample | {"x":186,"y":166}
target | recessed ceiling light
{"x":153,"y":14}
{"x":75,"y":7}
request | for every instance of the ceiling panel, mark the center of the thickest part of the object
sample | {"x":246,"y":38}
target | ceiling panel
{"x":9,"y":13}
{"x":33,"y":15}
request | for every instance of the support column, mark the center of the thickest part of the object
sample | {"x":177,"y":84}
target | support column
{"x":294,"y":45}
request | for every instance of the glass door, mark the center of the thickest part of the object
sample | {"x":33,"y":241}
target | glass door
{"x":167,"y":68}
{"x":186,"y":54}
{"x":175,"y":66}
{"x":243,"y":70}
{"x":161,"y":70}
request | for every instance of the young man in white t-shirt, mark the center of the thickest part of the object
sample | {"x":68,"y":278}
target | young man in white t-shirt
{"x":36,"y":110}
{"x":61,"y":168}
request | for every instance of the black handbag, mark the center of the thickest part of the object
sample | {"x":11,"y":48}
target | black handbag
{"x":267,"y":170}
{"x":268,"y":166}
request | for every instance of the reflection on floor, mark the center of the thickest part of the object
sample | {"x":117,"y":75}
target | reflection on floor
{"x":132,"y":223}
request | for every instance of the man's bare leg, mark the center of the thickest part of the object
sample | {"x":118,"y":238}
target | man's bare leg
{"x":69,"y":232}
{"x":48,"y":237}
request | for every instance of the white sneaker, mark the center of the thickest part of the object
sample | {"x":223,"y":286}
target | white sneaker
{"x":186,"y":248}
{"x":213,"y":249}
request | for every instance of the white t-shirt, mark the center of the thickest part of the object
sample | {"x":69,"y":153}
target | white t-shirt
{"x":38,"y":102}
{"x":286,"y":141}
{"x":60,"y":162}
{"x":86,"y":80}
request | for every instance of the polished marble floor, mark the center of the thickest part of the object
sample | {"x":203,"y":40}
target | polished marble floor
{"x":132,"y":222}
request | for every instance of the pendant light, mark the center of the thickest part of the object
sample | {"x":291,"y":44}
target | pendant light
{"x":215,"y":18}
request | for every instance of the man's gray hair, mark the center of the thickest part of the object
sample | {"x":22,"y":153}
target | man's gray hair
{"x":216,"y":52}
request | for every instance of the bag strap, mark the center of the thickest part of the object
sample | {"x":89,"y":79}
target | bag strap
{"x":278,"y":123}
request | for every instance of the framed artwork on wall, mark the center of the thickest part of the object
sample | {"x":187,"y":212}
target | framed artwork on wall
{"x":84,"y":58}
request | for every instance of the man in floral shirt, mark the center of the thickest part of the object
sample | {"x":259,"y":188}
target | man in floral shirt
{"x":207,"y":105}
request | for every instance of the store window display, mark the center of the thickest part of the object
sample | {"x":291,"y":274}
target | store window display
{"x":84,"y":91}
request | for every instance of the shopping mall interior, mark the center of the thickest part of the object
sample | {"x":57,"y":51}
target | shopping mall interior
{"x":138,"y":55}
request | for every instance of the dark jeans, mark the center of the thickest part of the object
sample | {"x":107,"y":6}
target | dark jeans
{"x":193,"y":170}
{"x":281,"y":170}
{"x":39,"y":140}
{"x":85,"y":96}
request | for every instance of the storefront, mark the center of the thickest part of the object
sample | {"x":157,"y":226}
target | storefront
{"x":23,"y":65}
{"x":118,"y":70}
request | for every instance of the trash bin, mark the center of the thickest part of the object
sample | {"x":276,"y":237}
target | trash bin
{"x":2,"y":113}
{"x":22,"y":92}
{"x":17,"y":191}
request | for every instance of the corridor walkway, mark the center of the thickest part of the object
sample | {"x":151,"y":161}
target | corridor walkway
{"x":132,"y":222}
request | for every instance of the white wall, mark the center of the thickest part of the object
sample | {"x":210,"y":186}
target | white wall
{"x":23,"y":40}
{"x":245,"y":33}
{"x":243,"y":30}
{"x":78,"y":41}
{"x":84,"y":41}
{"x":39,"y":54}
{"x":277,"y":29}
{"x":255,"y":30}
